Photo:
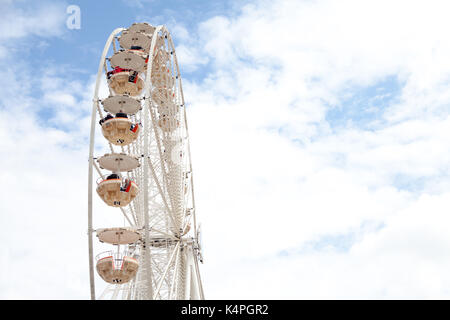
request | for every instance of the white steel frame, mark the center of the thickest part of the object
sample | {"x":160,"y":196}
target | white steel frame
{"x":164,"y":207}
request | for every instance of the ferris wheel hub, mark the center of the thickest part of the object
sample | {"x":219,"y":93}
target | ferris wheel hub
{"x":125,"y":82}
{"x":115,"y":193}
{"x":120,"y":131}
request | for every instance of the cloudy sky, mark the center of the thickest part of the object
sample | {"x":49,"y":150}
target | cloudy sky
{"x":320,"y":135}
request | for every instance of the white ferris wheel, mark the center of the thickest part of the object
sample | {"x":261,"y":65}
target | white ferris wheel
{"x":146,"y":175}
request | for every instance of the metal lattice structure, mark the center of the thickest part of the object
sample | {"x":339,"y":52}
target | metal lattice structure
{"x":147,"y":176}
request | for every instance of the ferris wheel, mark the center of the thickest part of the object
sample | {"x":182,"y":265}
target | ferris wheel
{"x":146,"y":174}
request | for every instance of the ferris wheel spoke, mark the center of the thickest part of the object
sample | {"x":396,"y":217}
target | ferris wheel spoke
{"x":126,"y":289}
{"x":98,"y":170}
{"x":173,"y":286}
{"x":132,"y":210}
{"x":164,"y":233}
{"x":178,"y":288}
{"x":126,"y":217}
{"x":105,"y":291}
{"x":159,"y":270}
{"x":158,"y":143}
{"x":169,"y":211}
{"x":116,"y":291}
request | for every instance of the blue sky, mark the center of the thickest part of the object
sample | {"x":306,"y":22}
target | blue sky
{"x":319,"y":134}
{"x":80,"y":48}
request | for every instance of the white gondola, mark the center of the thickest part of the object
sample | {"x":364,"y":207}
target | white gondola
{"x":117,"y":192}
{"x":118,"y":162}
{"x":116,"y":267}
{"x":119,"y":235}
{"x":142,"y":27}
{"x":125,"y":82}
{"x":121,"y":103}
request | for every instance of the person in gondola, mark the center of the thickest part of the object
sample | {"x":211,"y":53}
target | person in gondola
{"x":113,"y":176}
{"x":108,"y":116}
{"x":134,"y":127}
{"x":126,"y":186}
{"x":133,"y":77}
{"x":114,"y":71}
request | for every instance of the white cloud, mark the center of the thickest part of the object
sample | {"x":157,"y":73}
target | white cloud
{"x":189,"y":58}
{"x":283,"y":175}
{"x":43,"y":20}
